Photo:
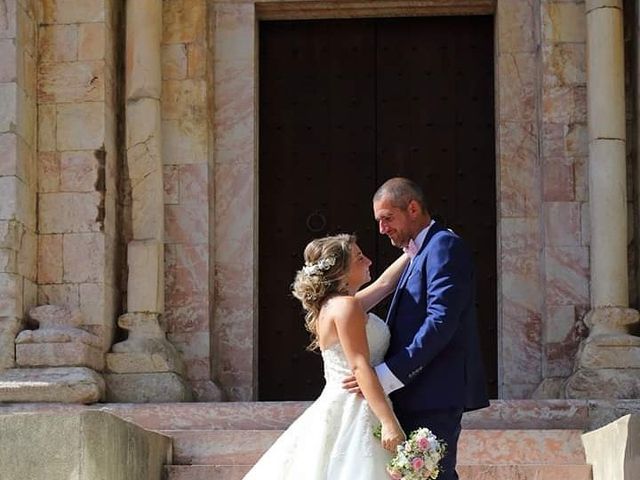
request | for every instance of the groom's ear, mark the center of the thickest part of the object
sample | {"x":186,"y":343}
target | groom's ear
{"x":414,"y":208}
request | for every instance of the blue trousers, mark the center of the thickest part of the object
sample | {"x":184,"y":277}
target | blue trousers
{"x":445,"y":424}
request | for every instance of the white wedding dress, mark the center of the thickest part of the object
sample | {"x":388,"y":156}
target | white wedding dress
{"x":333,"y":439}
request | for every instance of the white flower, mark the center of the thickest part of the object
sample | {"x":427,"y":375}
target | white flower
{"x":318,"y":268}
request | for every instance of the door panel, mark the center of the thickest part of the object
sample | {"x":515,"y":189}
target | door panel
{"x":344,"y":105}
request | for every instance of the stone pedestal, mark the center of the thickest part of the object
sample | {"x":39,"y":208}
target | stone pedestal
{"x":608,"y":362}
{"x":59,"y":360}
{"x":60,"y":385}
{"x":58,"y":342}
{"x":145,"y":367}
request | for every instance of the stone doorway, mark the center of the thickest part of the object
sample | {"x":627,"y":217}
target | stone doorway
{"x":345,"y":104}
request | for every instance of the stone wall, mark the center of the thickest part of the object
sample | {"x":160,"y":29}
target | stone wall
{"x":564,"y":159}
{"x":186,"y":137}
{"x":18,"y":52}
{"x":77,"y":160}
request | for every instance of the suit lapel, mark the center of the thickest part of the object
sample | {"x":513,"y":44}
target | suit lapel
{"x":420,"y":257}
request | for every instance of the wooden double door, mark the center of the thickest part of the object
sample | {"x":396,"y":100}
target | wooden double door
{"x":345,"y":105}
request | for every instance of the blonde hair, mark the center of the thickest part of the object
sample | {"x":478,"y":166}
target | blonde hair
{"x":326,"y":265}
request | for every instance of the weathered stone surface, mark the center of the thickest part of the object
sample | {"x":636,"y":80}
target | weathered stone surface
{"x":65,"y":385}
{"x":10,"y":295}
{"x":71,"y":82}
{"x":143,"y":138}
{"x":49,"y":316}
{"x":91,"y":41}
{"x":79,"y":446}
{"x":145,"y":284}
{"x":84,"y":257}
{"x":143,"y":64}
{"x":143,"y":363}
{"x":8,"y":65}
{"x":72,"y":11}
{"x":9,"y":328}
{"x":70,"y":212}
{"x":604,"y":383}
{"x":80,"y":126}
{"x":613,"y":451}
{"x":174,"y":62}
{"x":8,"y":107}
{"x":611,"y":320}
{"x":45,"y":355}
{"x":622,"y":356}
{"x":46,"y":128}
{"x":58,"y":43}
{"x":60,"y":294}
{"x":146,"y":387}
{"x":147,"y":196}
{"x":58,"y":335}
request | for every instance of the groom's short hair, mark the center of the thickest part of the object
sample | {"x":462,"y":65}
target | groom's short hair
{"x":401,"y":191}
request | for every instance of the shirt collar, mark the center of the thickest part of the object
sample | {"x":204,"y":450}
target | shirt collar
{"x":422,"y":235}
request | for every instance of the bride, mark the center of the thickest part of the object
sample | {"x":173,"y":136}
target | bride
{"x":333,"y":439}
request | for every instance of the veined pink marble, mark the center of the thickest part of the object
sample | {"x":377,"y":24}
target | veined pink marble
{"x":516,"y":21}
{"x":519,"y":170}
{"x":558,"y":179}
{"x":171,"y":184}
{"x":186,"y":224}
{"x":521,"y":353}
{"x":567,"y":275}
{"x":562,"y":223}
{"x":516,"y":73}
{"x":194,"y":182}
{"x":564,"y":64}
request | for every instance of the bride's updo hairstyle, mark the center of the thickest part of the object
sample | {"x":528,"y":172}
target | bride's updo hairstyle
{"x":322,"y":276}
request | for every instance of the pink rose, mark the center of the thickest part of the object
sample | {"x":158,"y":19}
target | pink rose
{"x":423,"y":443}
{"x":417,"y":463}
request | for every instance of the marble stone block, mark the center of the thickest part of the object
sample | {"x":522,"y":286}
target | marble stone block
{"x":9,"y":328}
{"x":64,"y":385}
{"x":72,"y":11}
{"x":145,"y":283}
{"x":58,"y":43}
{"x":147,"y":388}
{"x":91,"y":41}
{"x":143,"y":363}
{"x":80,"y":126}
{"x":75,"y":354}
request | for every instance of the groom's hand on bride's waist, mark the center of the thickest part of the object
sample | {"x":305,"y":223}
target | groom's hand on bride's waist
{"x":351,"y":385}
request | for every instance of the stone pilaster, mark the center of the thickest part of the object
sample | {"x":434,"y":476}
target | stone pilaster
{"x":145,"y":367}
{"x":608,"y":363}
{"x":17,"y":170}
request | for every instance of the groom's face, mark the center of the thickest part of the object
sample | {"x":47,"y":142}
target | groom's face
{"x":394,"y":222}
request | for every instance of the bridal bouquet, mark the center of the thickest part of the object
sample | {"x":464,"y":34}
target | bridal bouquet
{"x":418,"y":458}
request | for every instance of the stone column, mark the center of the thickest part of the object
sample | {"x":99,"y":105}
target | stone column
{"x":145,"y":367}
{"x":609,"y":359}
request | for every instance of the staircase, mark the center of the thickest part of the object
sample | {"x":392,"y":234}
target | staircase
{"x":511,"y":440}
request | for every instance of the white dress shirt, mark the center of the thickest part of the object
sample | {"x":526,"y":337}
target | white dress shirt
{"x":387,"y":379}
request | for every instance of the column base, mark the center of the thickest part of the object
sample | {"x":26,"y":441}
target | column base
{"x":64,"y":385}
{"x":159,"y":387}
{"x":604,"y":384}
{"x":608,"y":363}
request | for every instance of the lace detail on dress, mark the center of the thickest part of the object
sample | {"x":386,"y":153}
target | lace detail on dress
{"x":333,"y":439}
{"x":336,"y":366}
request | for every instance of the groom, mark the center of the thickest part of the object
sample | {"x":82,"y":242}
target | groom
{"x":433,"y":368}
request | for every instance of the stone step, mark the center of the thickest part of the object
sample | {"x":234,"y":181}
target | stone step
{"x":501,"y":415}
{"x":244,"y":447}
{"x":466,"y":472}
{"x":207,"y":472}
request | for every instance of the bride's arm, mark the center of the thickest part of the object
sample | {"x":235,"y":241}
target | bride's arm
{"x":350,"y":321}
{"x":373,"y":294}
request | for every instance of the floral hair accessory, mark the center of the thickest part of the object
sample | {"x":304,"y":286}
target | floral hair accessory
{"x":318,"y":268}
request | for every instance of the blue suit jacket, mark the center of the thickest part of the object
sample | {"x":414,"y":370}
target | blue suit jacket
{"x":434,"y":346}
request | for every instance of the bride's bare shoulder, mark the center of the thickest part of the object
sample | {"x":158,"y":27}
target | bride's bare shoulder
{"x":344,"y":306}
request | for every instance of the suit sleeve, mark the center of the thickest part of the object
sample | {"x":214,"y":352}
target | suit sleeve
{"x":449,"y":286}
